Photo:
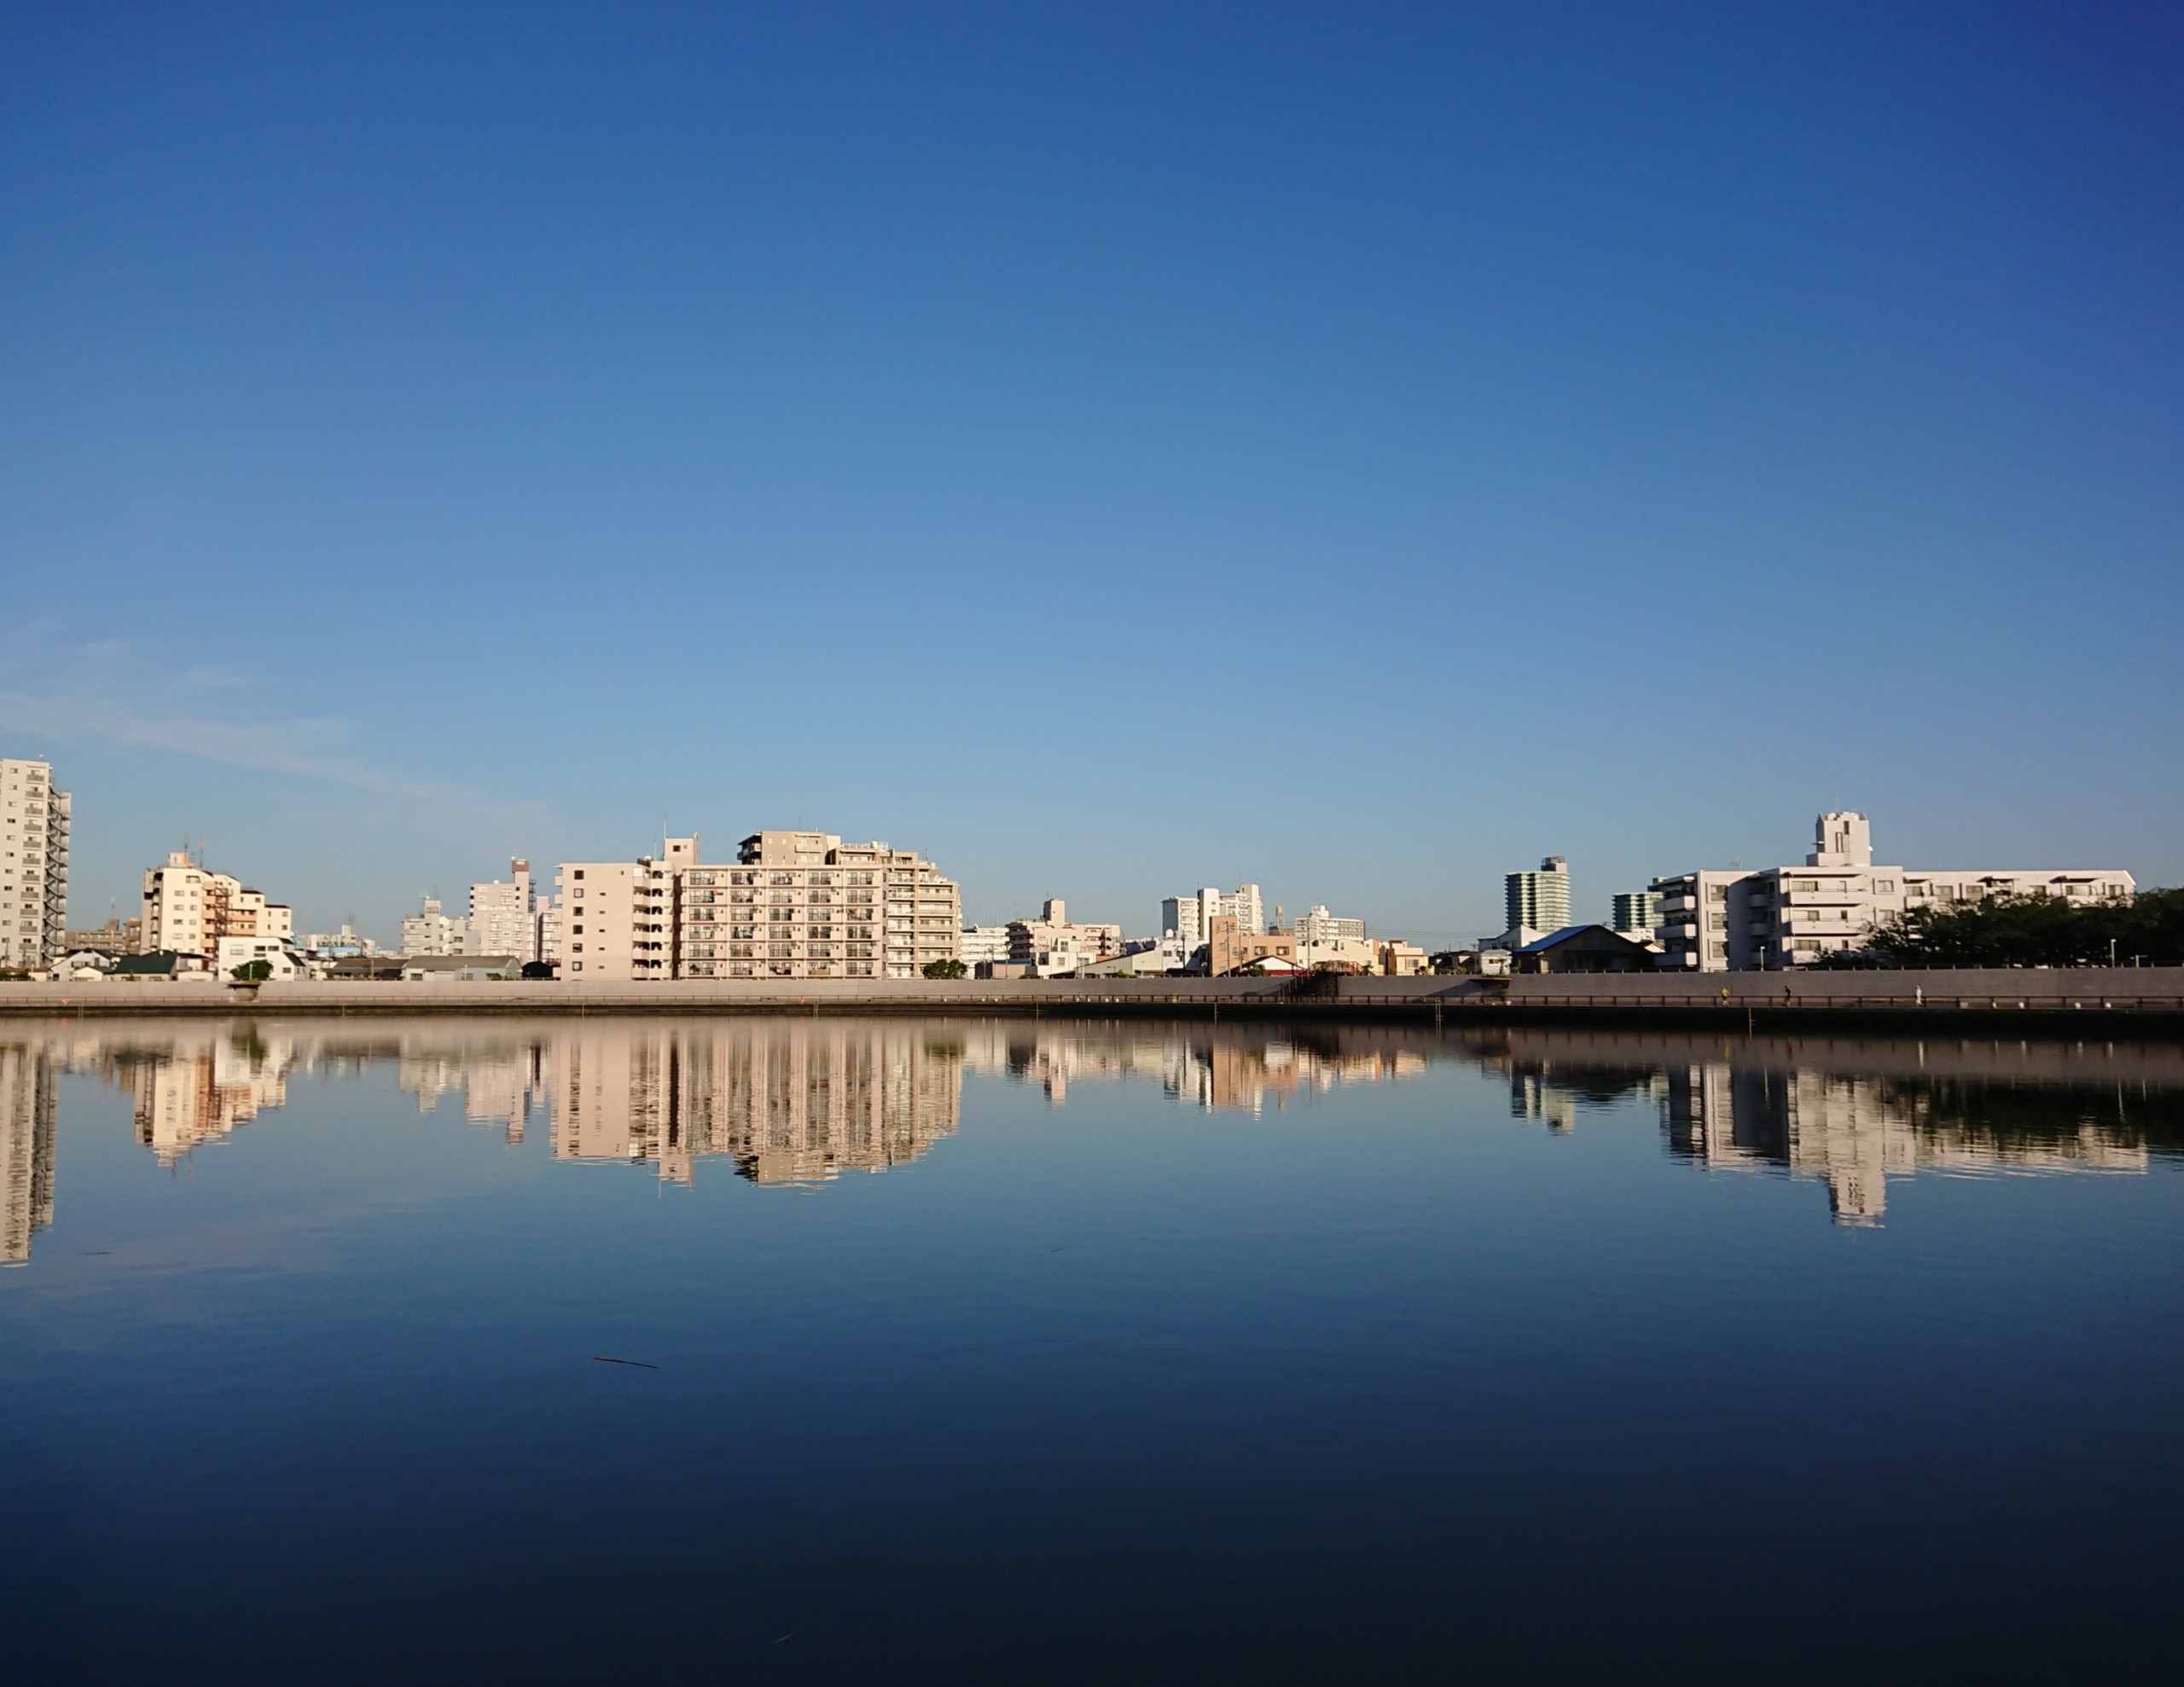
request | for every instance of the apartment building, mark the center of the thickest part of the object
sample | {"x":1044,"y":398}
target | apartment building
{"x":433,"y":931}
{"x":1633,"y":912}
{"x":1053,"y":943}
{"x":189,"y":908}
{"x":33,"y":865}
{"x":1539,"y":900}
{"x":806,"y":905}
{"x":793,"y":905}
{"x":1737,"y":920}
{"x":617,"y":920}
{"x":1191,"y":918}
{"x":975,"y":943}
{"x":504,"y":916}
{"x":1319,"y":927}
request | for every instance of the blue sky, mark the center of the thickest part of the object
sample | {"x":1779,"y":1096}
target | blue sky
{"x":1359,"y":449}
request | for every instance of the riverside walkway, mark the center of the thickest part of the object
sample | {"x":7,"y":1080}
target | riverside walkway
{"x":2148,"y":999}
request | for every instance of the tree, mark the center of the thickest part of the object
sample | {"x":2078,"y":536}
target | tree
{"x":946,"y":969}
{"x":2034,"y":931}
{"x":253,"y":971}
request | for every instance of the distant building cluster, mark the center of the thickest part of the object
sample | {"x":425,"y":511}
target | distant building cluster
{"x":1739,"y":919}
{"x":797,"y":905}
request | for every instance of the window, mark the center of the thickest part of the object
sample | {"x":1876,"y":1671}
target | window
{"x":579,"y":872}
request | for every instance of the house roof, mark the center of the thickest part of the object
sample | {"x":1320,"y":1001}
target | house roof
{"x":1591,"y":935}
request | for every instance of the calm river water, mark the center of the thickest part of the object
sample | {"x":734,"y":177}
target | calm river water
{"x":828,"y":1349}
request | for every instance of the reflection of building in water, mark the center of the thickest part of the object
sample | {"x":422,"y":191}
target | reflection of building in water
{"x":791,"y":1100}
{"x":1210,"y":1067}
{"x":203,"y":1087}
{"x":500,"y":1082}
{"x":26,"y":1134}
{"x":1855,"y":1133}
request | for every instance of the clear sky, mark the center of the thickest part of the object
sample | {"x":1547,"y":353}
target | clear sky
{"x":1111,"y":449}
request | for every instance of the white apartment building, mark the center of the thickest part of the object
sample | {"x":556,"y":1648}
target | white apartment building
{"x":794,"y":905}
{"x":33,"y":865}
{"x":504,"y":916}
{"x":1191,"y":918}
{"x":1319,"y":927}
{"x":1739,"y":921}
{"x":975,"y":943}
{"x":189,"y":908}
{"x":1538,"y":901}
{"x":433,"y":931}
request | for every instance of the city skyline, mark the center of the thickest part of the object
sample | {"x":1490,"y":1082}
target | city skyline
{"x":404,"y":451}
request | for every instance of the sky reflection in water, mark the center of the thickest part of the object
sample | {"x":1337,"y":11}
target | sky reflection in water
{"x":1166,"y":1351}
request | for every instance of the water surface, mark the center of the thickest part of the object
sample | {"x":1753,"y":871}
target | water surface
{"x":1084,"y":1352}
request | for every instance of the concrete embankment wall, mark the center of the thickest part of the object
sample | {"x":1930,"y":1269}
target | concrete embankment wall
{"x":2151,"y":999}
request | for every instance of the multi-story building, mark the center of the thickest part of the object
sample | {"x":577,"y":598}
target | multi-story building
{"x":189,"y":908}
{"x":1053,"y":943}
{"x":1229,"y":945}
{"x":1538,"y":901}
{"x":975,"y":943}
{"x":33,"y":865}
{"x":1739,"y":921}
{"x":117,"y":936}
{"x":504,"y":915}
{"x":794,"y":905}
{"x":433,"y":931}
{"x":1636,"y":911}
{"x":1191,"y":918}
{"x":1321,"y":926}
{"x":617,"y":920}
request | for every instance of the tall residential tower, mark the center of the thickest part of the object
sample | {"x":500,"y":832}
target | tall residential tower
{"x":33,"y":865}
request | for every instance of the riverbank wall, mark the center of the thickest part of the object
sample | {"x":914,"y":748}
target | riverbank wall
{"x":2146,"y":1000}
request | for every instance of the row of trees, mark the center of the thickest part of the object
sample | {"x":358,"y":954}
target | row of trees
{"x":2035,"y":932}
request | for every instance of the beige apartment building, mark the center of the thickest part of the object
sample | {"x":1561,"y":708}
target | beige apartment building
{"x":1749,"y":920}
{"x":1053,"y":943}
{"x":189,"y":908}
{"x":504,"y":915}
{"x":793,"y":905}
{"x":33,"y":865}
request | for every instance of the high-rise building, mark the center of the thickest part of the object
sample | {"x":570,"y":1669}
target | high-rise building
{"x":33,"y":865}
{"x":1191,"y":918}
{"x":1739,"y":921}
{"x":504,"y":915}
{"x":1539,"y":902}
{"x":1636,"y":911}
{"x":189,"y":908}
